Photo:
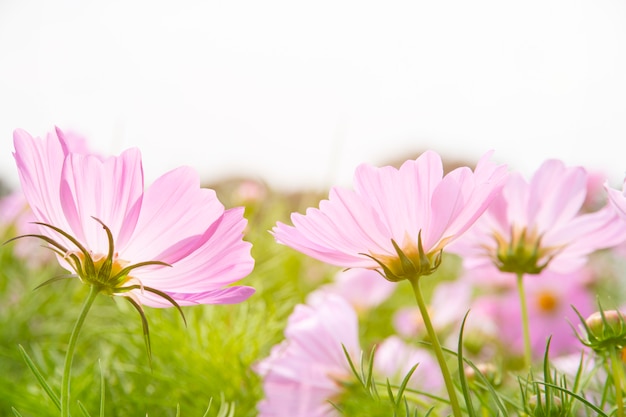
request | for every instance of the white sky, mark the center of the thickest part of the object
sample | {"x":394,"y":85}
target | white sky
{"x":299,"y":93}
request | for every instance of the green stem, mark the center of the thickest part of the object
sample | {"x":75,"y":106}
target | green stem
{"x":69,"y":355}
{"x":528,"y":357}
{"x":617,"y":381}
{"x":454,"y":402}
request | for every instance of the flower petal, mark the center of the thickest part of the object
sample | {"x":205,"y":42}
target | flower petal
{"x":174,"y":216}
{"x":220,"y":257}
{"x":229,"y":295}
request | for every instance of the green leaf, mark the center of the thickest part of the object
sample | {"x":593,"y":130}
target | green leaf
{"x":403,"y":384}
{"x":42,"y":381}
{"x":102,"y":389}
{"x":462,"y":376}
{"x":578,"y":397}
{"x":83,"y":409}
{"x":206,"y":413}
{"x":352,"y":367}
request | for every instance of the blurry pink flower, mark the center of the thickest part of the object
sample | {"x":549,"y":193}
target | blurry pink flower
{"x":481,"y":334}
{"x":362,"y":288}
{"x":394,"y":359}
{"x":596,"y":195}
{"x":550,"y":297}
{"x":394,"y":215}
{"x":16,"y":219}
{"x":445,"y":315}
{"x":538,"y":224}
{"x":137,"y":232}
{"x":305,"y":372}
{"x":618,"y":200}
{"x":250,"y":191}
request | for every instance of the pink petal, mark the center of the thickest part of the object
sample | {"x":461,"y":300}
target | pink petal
{"x":108,"y":189}
{"x":221,"y":257}
{"x":230,"y":295}
{"x":174,"y":216}
{"x":556,"y":193}
{"x":39,"y":166}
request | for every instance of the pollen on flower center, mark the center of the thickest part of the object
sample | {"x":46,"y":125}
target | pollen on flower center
{"x":547,"y":301}
{"x":106,"y":272}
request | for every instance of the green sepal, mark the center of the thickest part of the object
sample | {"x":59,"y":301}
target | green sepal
{"x":146,"y":328}
{"x":120,"y":276}
{"x":90,"y":269}
{"x":55,"y":279}
{"x":160,"y":293}
{"x":105,"y":269}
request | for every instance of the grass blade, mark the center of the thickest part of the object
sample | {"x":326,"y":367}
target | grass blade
{"x":42,"y":381}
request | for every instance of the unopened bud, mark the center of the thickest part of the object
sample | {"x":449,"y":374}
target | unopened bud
{"x":605,"y":329}
{"x":488,"y":370}
{"x":552,"y":409}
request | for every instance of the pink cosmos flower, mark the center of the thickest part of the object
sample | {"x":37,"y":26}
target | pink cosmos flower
{"x":305,"y":372}
{"x":395,"y":214}
{"x":538,"y":224}
{"x":173,"y":243}
{"x":445,"y":316}
{"x":394,"y":359}
{"x":550,"y":299}
{"x":16,"y":218}
{"x":618,"y":200}
{"x":362,"y":288}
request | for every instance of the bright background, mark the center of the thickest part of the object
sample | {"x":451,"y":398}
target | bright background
{"x":299,"y":93}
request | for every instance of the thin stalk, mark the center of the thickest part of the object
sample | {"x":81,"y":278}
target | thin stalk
{"x":528,"y":357}
{"x":69,"y":355}
{"x":454,"y":402}
{"x":617,"y":381}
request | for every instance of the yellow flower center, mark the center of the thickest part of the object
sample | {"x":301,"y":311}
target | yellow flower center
{"x":547,"y":301}
{"x":111,"y":279}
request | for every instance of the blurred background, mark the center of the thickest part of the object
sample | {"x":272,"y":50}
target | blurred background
{"x":299,"y":93}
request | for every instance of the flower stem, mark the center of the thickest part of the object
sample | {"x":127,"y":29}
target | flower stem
{"x":617,"y":381}
{"x":525,"y":327}
{"x":69,"y":355}
{"x":454,"y":402}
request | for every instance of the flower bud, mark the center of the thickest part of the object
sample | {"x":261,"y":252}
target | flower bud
{"x":605,"y":329}
{"x":541,"y":408}
{"x":488,"y":370}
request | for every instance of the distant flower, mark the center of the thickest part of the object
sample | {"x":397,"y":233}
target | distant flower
{"x":445,"y":315}
{"x":16,"y":219}
{"x":596,"y":193}
{"x":306,"y":371}
{"x":171,"y":244}
{"x":394,"y":359}
{"x":618,"y":201}
{"x":395,"y":220}
{"x":550,"y":299}
{"x":362,"y":288}
{"x":535,"y":225}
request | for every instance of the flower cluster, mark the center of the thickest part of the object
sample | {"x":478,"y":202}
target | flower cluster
{"x":525,"y":260}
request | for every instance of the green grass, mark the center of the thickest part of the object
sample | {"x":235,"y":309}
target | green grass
{"x":208,"y":361}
